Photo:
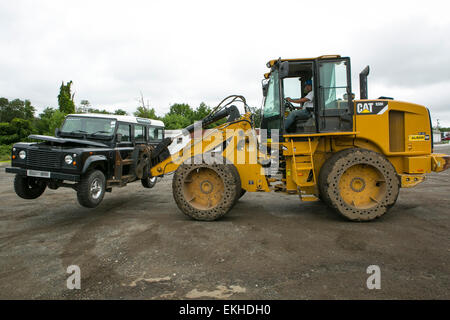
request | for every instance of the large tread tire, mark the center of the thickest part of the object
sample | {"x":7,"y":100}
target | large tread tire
{"x":238,"y":182}
{"x":323,"y":175}
{"x":91,"y":189}
{"x":243,"y":191}
{"x":225,"y":178}
{"x":28,"y":188}
{"x":385,"y":192}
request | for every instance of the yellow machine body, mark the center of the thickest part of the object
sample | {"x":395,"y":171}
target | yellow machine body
{"x":352,"y":154}
{"x":401,"y":133}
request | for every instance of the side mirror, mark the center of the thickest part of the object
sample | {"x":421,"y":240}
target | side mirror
{"x":284,"y":69}
{"x":57,"y":131}
{"x":119,"y":137}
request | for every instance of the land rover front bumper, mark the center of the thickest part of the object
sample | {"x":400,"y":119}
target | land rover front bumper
{"x":50,"y":175}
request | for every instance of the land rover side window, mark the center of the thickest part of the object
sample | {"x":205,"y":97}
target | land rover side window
{"x":333,"y":84}
{"x":124,"y":130}
{"x":159,"y":133}
{"x":155,"y":133}
{"x":152,"y":133}
{"x":139,"y":133}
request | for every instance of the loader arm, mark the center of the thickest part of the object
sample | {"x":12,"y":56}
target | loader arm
{"x":225,"y":140}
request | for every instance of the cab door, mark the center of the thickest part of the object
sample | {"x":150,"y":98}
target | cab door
{"x":271,"y":117}
{"x":334,"y":93}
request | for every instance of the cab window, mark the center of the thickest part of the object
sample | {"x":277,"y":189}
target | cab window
{"x":272,"y":101}
{"x":292,"y":87}
{"x":271,"y":109}
{"x":333,"y":84}
{"x":334,"y":96}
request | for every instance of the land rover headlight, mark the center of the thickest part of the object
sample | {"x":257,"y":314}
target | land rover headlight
{"x":22,"y":154}
{"x":68,"y":159}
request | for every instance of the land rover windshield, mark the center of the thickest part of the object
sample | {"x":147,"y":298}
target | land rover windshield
{"x":91,"y":127}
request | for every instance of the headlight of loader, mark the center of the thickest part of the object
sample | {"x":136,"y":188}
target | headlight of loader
{"x":22,"y":154}
{"x":68,"y":159}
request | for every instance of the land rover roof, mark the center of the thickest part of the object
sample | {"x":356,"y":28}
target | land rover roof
{"x":129,"y":119}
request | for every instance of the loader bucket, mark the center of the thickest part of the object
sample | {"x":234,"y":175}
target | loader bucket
{"x":440,"y":162}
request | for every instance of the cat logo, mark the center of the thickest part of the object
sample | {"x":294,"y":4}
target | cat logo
{"x":364,"y":107}
{"x":371,"y":107}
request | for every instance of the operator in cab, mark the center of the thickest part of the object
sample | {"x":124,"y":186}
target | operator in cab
{"x":302,"y":112}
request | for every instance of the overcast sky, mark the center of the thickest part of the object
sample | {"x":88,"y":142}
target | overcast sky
{"x":194,"y":51}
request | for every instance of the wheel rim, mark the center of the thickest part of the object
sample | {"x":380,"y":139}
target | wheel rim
{"x":362,"y":186}
{"x":96,"y":188}
{"x":203,"y":188}
{"x":32,"y":184}
{"x":152,"y":180}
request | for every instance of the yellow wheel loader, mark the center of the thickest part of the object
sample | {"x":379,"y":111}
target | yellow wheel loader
{"x":315,"y":141}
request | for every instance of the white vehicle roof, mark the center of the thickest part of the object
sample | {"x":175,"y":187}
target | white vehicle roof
{"x":129,"y":119}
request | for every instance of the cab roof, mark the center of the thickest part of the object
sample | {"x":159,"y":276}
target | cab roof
{"x":129,"y":119}
{"x":330,"y":56}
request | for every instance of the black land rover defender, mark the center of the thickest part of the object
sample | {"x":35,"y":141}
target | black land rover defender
{"x":91,"y":153}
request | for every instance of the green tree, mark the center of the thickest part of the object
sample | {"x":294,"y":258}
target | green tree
{"x":175,"y":121}
{"x":182,"y":115}
{"x":202,"y":111}
{"x":43,"y":123}
{"x":120,"y":112}
{"x":256,"y":116}
{"x":56,"y":121}
{"x":84,"y":106}
{"x":93,"y":110}
{"x":4,"y":104}
{"x":143,"y":112}
{"x":182,"y":109}
{"x":16,"y":130}
{"x":179,"y":116}
{"x":6,"y":133}
{"x":28,"y":110}
{"x":15,"y":109}
{"x":65,"y":98}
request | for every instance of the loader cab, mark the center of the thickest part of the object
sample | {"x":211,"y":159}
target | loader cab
{"x":332,"y":104}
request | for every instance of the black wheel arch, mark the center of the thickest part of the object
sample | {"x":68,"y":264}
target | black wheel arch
{"x":98,"y":162}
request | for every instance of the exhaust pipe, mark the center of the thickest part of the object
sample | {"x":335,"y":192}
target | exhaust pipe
{"x":363,"y":83}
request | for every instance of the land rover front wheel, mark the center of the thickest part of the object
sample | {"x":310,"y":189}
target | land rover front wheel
{"x":91,"y":189}
{"x":28,"y":187}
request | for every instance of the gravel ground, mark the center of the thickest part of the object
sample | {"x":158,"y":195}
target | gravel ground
{"x":138,"y":245}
